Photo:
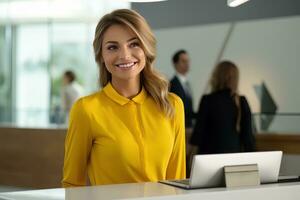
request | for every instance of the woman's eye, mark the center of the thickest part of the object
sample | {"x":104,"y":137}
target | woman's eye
{"x":112,"y":47}
{"x":134,"y":44}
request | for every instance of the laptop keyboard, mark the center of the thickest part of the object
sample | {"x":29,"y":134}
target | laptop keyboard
{"x":183,"y":181}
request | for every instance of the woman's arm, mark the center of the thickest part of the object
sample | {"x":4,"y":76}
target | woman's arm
{"x":176,"y":167}
{"x":201,"y":123}
{"x":247,"y":137}
{"x":78,"y":144}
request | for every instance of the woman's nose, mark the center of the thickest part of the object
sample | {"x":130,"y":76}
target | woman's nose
{"x":124,"y":53}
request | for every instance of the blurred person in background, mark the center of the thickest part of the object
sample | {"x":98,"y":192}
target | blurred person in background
{"x":224,"y":123}
{"x":180,"y":86}
{"x":71,"y":91}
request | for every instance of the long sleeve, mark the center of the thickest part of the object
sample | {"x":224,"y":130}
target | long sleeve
{"x":201,"y":123}
{"x":247,"y":137}
{"x":177,"y":163}
{"x":78,"y":144}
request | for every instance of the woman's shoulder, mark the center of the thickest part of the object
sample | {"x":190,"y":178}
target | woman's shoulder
{"x":174,"y":98}
{"x":88,"y":101}
{"x":207,"y":97}
{"x":177,"y":104}
{"x":243,"y":99}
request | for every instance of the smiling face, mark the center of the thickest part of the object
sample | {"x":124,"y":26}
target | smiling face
{"x":122,"y":54}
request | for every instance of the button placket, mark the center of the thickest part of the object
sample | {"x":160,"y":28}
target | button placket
{"x":138,"y":132}
{"x":142,"y":135}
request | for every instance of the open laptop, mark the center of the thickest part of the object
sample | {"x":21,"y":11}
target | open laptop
{"x":207,"y":170}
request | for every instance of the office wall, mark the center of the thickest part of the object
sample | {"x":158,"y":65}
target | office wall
{"x":265,"y":50}
{"x":268,"y":50}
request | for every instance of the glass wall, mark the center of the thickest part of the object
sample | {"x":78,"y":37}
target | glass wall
{"x":43,"y":52}
{"x":71,"y":49}
{"x":33,"y":58}
{"x":37,"y":46}
{"x":32,"y":77}
{"x":5,"y":76}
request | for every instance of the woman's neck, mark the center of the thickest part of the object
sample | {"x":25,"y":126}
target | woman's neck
{"x":127,"y":88}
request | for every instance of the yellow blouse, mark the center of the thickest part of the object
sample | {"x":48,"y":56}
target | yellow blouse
{"x":118,"y":140}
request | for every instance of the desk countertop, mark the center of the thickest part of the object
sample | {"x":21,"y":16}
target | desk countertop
{"x":148,"y":191}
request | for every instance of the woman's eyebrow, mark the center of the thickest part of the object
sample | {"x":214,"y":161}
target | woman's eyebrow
{"x":115,"y":42}
{"x":132,"y":39}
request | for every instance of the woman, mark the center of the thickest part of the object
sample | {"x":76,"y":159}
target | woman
{"x":224,"y":117}
{"x":133,"y":129}
{"x":71,"y":91}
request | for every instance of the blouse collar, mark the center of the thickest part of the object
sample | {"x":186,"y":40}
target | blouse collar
{"x":115,"y":96}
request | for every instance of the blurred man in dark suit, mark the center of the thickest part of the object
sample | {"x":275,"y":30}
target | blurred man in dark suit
{"x":181,"y":87}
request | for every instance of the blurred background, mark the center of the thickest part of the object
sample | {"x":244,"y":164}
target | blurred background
{"x":41,"y":39}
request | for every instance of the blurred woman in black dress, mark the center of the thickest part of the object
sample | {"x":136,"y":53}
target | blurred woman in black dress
{"x":224,"y":122}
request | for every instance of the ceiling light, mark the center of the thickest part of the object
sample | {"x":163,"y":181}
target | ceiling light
{"x":143,"y":1}
{"x":235,"y":3}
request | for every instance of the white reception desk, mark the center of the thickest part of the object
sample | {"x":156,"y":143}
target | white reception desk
{"x":147,"y":191}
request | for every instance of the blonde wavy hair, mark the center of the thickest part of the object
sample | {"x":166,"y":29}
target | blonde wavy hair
{"x":226,"y":76}
{"x":154,"y":83}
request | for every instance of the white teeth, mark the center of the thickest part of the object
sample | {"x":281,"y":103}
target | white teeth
{"x":127,"y":65}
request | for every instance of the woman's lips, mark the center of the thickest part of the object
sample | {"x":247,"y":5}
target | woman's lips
{"x":126,"y":65}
